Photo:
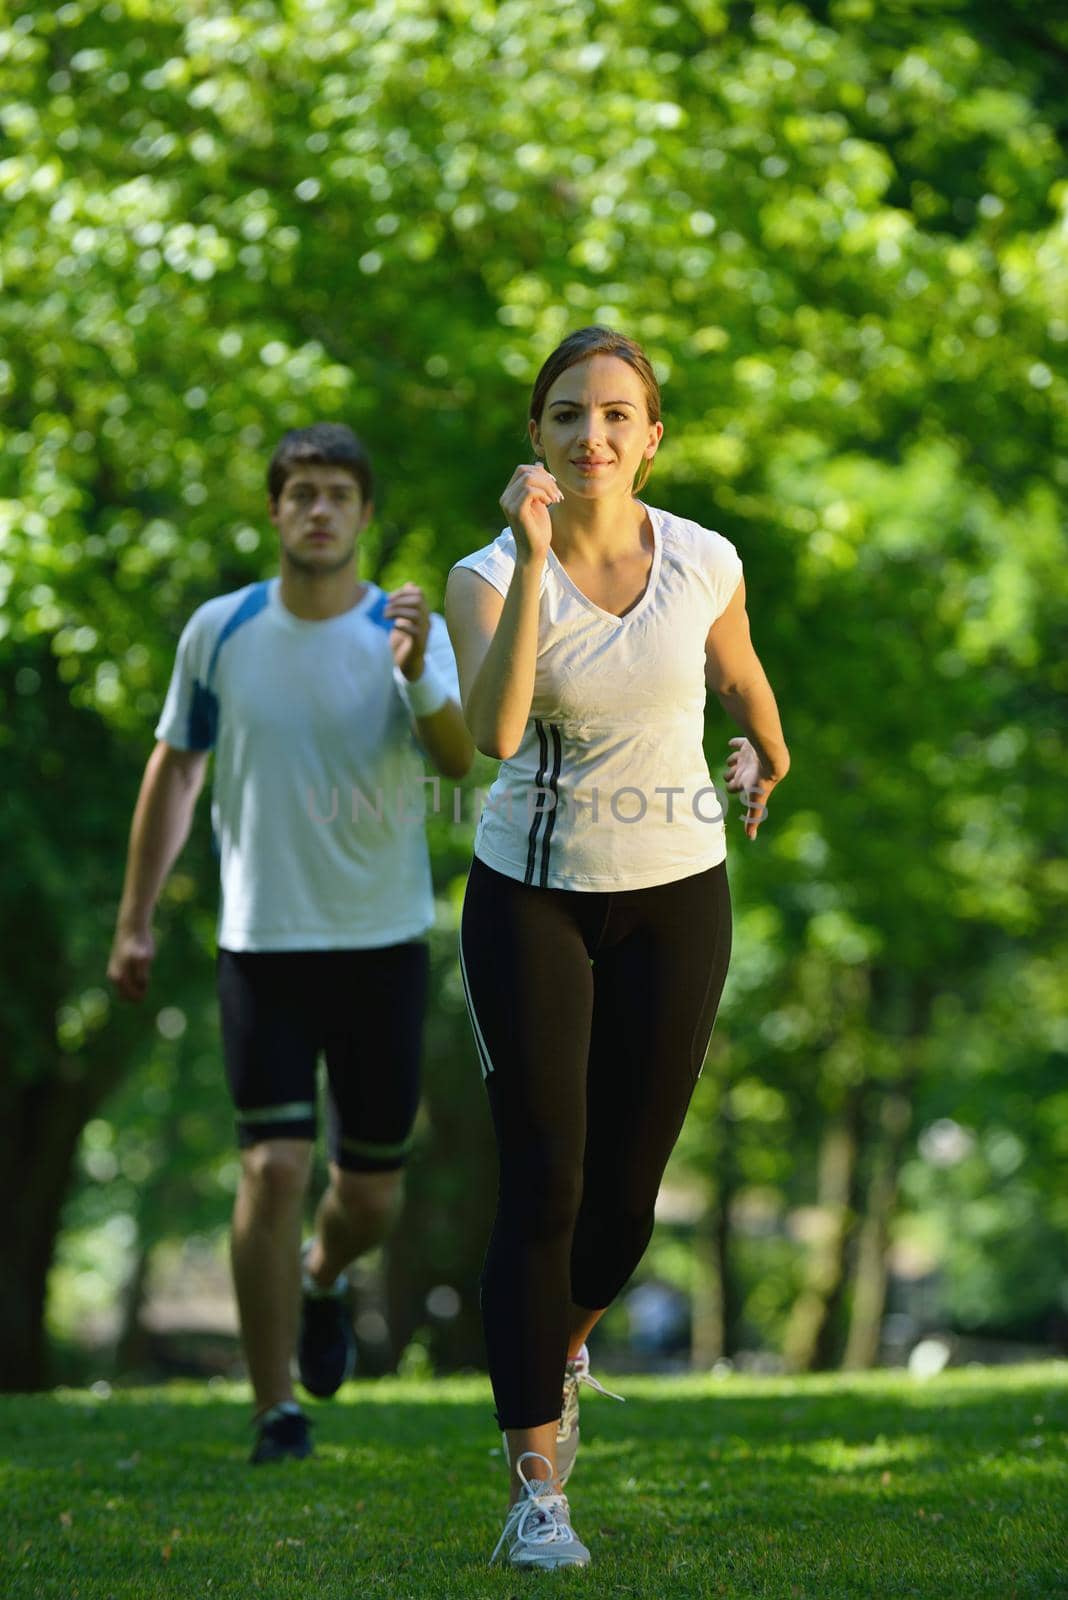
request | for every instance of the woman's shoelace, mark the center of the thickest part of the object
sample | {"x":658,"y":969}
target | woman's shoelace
{"x":577,"y":1374}
{"x":540,"y":1517}
{"x":537,"y":1521}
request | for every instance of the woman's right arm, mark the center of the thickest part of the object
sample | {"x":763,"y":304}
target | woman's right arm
{"x":495,"y":637}
{"x":734,"y":673}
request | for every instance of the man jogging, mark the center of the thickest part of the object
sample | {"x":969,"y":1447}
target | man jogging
{"x":308,"y":688}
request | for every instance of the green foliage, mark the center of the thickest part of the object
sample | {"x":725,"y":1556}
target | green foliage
{"x":840,"y":231}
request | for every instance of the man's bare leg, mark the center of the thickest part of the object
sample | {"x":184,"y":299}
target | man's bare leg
{"x":355,"y":1214}
{"x":265,"y":1255}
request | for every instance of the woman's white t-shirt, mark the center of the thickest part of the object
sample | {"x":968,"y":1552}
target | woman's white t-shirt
{"x":609,"y":788}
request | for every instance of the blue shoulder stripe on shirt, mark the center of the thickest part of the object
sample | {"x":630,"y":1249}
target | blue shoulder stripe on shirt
{"x":375,"y":613}
{"x":250,"y":607}
{"x":204,"y":706}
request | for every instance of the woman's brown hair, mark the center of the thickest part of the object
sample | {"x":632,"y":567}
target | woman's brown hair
{"x":598,"y":341}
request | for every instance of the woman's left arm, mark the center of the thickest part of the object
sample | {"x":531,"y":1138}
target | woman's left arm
{"x":734,"y":674}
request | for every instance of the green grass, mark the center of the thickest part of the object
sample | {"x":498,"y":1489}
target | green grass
{"x":823,"y":1487}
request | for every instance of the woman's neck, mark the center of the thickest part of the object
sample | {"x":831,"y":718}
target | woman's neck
{"x":598,"y":532}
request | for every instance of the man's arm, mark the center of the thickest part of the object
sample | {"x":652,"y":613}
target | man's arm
{"x":162,"y":819}
{"x":442,"y":732}
{"x":446,"y":740}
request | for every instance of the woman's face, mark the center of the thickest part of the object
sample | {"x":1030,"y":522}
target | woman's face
{"x":595,"y":431}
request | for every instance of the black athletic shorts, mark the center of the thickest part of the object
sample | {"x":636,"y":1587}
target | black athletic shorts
{"x":363,"y":1010}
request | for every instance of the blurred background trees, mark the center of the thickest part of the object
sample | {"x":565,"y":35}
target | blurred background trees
{"x":840,"y":231}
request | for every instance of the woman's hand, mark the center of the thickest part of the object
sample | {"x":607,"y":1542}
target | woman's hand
{"x":747,"y":776}
{"x":525,"y":502}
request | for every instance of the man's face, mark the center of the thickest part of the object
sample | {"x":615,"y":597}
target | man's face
{"x":319,"y":515}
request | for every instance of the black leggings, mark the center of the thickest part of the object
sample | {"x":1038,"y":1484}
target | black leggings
{"x":592,"y":1013}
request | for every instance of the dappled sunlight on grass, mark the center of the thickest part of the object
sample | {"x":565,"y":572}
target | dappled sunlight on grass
{"x":834,"y":1455}
{"x":820,"y":1489}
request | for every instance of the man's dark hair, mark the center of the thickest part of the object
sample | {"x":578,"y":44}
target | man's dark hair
{"x":324,"y":444}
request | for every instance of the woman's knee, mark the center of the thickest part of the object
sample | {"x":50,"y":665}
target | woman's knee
{"x":540,"y":1199}
{"x":608,"y":1247}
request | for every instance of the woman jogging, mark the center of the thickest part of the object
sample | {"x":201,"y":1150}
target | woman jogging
{"x":596,"y":925}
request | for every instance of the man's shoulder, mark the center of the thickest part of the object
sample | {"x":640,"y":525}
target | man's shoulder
{"x":224,"y":611}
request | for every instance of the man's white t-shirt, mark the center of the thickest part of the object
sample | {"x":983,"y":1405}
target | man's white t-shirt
{"x":319,"y":786}
{"x":609,"y":788}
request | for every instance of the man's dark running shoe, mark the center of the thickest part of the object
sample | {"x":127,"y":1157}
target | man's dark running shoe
{"x":282,"y":1434}
{"x":326,"y":1350}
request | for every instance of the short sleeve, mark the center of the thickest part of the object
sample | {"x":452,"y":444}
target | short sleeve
{"x":725,"y":573}
{"x":495,"y":562}
{"x":186,"y":721}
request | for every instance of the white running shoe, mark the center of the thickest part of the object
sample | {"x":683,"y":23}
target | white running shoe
{"x":576,"y":1373}
{"x":538,"y":1528}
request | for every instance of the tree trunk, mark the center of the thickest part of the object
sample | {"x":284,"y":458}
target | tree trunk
{"x":450,"y":1192}
{"x":715,"y":1298}
{"x":807,"y":1344}
{"x":708,"y":1339}
{"x":901,"y":1009}
{"x":39,"y":1131}
{"x":61,"y":837}
{"x":871,"y":1271}
{"x":132,"y":1344}
{"x":41,"y":1122}
{"x":158,"y":1201}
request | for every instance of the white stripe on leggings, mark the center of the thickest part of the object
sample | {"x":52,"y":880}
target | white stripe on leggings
{"x":484,"y":1055}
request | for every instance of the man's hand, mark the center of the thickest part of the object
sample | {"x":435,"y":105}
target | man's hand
{"x":130,"y":963}
{"x":746,"y":776}
{"x":407,"y":610}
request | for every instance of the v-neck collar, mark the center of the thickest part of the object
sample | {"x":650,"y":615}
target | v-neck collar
{"x":646,"y":597}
